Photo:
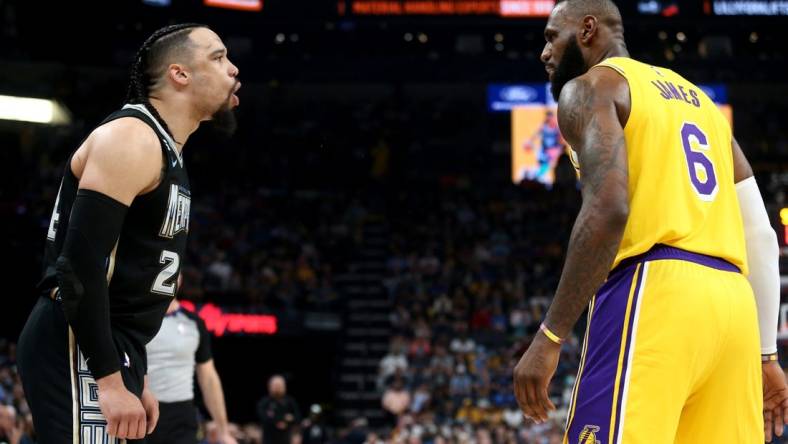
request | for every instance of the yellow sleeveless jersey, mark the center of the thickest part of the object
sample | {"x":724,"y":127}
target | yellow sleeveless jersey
{"x":681,"y":183}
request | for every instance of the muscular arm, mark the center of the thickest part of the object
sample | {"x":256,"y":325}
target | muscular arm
{"x":763,"y":251}
{"x":116,"y":163}
{"x":121,"y":159}
{"x":741,"y":167}
{"x":763,"y":256}
{"x":590,"y":122}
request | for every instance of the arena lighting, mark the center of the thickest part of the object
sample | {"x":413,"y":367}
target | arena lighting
{"x":241,"y":5}
{"x":504,"y":8}
{"x":219,"y":323}
{"x":784,"y":220}
{"x":749,"y":7}
{"x":27,"y":109}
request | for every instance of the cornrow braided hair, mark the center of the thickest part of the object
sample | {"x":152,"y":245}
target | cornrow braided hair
{"x":145,"y":69}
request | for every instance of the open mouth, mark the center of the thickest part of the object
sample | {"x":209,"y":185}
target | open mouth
{"x":234,"y":97}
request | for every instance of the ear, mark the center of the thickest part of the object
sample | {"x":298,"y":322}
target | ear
{"x":589,"y":29}
{"x":178,"y":74}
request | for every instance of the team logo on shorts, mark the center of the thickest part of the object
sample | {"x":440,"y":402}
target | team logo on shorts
{"x":588,"y":435}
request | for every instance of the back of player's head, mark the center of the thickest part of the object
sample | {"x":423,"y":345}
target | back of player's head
{"x":605,"y":11}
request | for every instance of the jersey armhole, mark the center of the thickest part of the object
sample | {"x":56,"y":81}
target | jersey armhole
{"x":620,"y":71}
{"x":69,"y":170}
{"x":165,"y":159}
{"x":615,"y":68}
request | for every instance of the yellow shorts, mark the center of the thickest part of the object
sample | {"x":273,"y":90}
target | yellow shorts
{"x":671,"y":355}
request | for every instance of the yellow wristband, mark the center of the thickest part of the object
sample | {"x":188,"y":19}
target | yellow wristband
{"x":550,"y":335}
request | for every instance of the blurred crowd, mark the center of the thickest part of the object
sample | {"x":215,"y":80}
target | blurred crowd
{"x":470,"y":286}
{"x":274,"y":252}
{"x":16,"y":422}
{"x":469,"y":275}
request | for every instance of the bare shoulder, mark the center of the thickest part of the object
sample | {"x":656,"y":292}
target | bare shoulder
{"x":597,"y":91}
{"x":121,"y":158}
{"x":576,"y":107}
{"x":125,"y":139}
{"x":595,"y":87}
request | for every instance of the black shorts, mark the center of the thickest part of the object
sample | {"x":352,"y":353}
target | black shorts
{"x":177,"y":424}
{"x":61,"y":393}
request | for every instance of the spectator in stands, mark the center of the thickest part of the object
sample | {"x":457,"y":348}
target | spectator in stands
{"x":358,"y":433}
{"x":461,"y":384}
{"x":394,"y":361}
{"x":14,"y":429}
{"x":278,"y":413}
{"x":9,"y":430}
{"x":396,"y":399}
{"x":313,"y":429}
{"x":421,"y":398}
{"x":462,"y":343}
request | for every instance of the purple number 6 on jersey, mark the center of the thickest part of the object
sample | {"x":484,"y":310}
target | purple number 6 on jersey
{"x":698,"y":162}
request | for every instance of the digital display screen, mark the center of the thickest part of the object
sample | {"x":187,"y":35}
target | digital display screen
{"x":654,"y":7}
{"x":537,"y":143}
{"x":748,"y":7}
{"x":160,"y":3}
{"x":503,"y":8}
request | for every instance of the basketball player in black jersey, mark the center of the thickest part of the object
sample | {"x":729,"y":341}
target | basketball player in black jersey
{"x":115,"y":242}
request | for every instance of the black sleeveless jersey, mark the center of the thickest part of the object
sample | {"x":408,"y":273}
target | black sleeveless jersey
{"x":143,"y":268}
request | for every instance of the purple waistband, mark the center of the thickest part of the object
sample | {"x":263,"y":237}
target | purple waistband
{"x":660,"y":252}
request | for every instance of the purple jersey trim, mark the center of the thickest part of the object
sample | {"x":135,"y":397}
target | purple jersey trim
{"x":596,"y":389}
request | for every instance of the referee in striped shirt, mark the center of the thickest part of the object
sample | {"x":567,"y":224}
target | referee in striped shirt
{"x":181,"y":347}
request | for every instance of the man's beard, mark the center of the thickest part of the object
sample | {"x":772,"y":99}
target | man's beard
{"x":223,"y":120}
{"x":572,"y":65}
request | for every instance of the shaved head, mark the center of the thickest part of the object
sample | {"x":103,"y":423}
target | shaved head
{"x":277,"y":386}
{"x":604,"y":10}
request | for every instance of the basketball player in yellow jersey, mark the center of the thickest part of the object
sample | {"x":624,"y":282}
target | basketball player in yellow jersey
{"x":671,"y":223}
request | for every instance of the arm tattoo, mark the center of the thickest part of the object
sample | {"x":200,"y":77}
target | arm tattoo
{"x":589,"y":122}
